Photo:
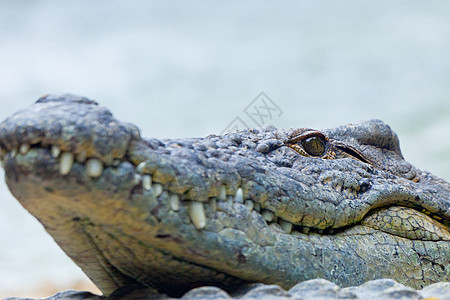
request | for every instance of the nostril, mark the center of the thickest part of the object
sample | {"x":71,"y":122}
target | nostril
{"x":65,"y":98}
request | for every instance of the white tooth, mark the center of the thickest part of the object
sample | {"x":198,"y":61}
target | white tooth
{"x":222,"y":194}
{"x":65,"y":165}
{"x":305,"y":230}
{"x":257,"y":207}
{"x":140,"y":167}
{"x":81,"y":157}
{"x":275,"y":226}
{"x":147,"y":182}
{"x":137,"y":179}
{"x":116,"y":162}
{"x":157,"y":189}
{"x":267,"y":215}
{"x":230,"y":201}
{"x":286,"y":226}
{"x":24,"y":148}
{"x":14,"y":152}
{"x":94,"y":167}
{"x":213,"y":204}
{"x":238,"y":198}
{"x":174,"y":201}
{"x":55,"y":151}
{"x":250,"y":204}
{"x":197,"y":215}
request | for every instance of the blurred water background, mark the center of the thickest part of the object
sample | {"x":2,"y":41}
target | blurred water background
{"x":182,"y":69}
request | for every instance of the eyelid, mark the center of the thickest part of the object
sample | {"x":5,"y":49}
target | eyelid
{"x":299,"y":136}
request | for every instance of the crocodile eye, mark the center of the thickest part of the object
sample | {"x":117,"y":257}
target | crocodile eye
{"x":309,"y":142}
{"x":314,"y":146}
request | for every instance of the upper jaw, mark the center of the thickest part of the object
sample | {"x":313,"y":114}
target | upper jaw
{"x":252,"y":163}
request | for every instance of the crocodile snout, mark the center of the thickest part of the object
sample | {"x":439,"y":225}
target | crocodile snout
{"x":72,"y":125}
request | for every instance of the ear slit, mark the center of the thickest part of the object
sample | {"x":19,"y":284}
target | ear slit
{"x":355,"y":153}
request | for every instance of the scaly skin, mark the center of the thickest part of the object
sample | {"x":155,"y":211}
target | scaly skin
{"x":252,"y":206}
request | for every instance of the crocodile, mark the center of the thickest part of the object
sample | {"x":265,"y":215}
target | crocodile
{"x":260,"y":205}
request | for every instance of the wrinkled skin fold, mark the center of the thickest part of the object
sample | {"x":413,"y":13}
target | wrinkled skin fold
{"x":263,"y":205}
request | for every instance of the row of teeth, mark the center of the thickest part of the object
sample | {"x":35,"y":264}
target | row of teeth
{"x":197,"y":214}
{"x":94,"y":168}
{"x":196,"y":209}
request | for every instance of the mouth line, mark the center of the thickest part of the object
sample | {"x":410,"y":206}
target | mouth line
{"x":198,"y":211}
{"x":143,"y":182}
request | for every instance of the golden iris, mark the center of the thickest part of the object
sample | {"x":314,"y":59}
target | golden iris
{"x":314,"y":146}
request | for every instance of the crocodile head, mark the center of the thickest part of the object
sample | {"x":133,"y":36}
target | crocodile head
{"x":261,"y":205}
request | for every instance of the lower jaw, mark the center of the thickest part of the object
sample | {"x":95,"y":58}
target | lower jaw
{"x":71,"y":209}
{"x":153,"y":267}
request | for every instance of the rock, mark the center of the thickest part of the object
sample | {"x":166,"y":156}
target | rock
{"x":440,"y":290}
{"x":207,"y":292}
{"x":320,"y":289}
{"x":66,"y":295}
